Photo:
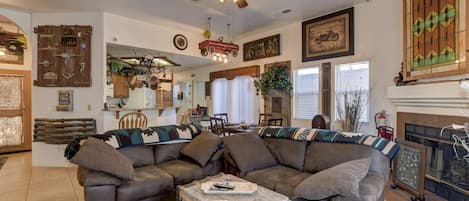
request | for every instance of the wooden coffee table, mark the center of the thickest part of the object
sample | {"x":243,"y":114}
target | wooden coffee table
{"x":192,"y":191}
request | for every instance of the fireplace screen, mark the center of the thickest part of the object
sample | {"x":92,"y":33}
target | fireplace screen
{"x":442,"y":165}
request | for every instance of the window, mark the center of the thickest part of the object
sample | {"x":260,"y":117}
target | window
{"x":306,"y":93}
{"x":353,"y":77}
{"x":236,"y":97}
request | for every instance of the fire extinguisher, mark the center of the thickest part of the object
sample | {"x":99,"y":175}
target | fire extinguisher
{"x":383,"y":125}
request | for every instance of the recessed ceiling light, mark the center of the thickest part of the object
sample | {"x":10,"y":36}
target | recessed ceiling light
{"x":286,"y":11}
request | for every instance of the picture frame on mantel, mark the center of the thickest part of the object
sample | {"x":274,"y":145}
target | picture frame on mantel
{"x":329,"y":36}
{"x":437,"y":47}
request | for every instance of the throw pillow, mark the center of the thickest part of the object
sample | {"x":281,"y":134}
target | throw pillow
{"x":288,"y":152}
{"x":201,"y":148}
{"x":100,"y":156}
{"x":343,"y":179}
{"x":167,"y":152}
{"x":249,"y":152}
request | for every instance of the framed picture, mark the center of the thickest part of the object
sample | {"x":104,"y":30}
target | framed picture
{"x":262,"y":48}
{"x":12,"y":42}
{"x":409,"y":168}
{"x":328,"y":36}
{"x":65,"y":101}
{"x":435,"y":39}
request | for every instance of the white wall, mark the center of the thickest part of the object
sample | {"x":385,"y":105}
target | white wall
{"x":23,"y":20}
{"x":45,"y":98}
{"x":378,"y":38}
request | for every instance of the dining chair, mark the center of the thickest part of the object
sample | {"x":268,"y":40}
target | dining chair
{"x":263,"y":119}
{"x":217,"y":126}
{"x":320,"y":121}
{"x":223,"y":116}
{"x":275,"y":122}
{"x":133,"y":120}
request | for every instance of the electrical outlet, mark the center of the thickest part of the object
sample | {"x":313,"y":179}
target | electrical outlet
{"x":89,"y":107}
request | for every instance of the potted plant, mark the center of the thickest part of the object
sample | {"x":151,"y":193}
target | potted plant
{"x":274,"y":78}
{"x":350,"y":107}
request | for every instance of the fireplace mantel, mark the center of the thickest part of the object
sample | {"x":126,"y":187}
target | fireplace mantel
{"x":446,"y":98}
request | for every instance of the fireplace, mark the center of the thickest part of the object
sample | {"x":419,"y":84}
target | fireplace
{"x":445,"y":175}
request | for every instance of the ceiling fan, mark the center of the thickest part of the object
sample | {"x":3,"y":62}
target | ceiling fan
{"x":240,"y":3}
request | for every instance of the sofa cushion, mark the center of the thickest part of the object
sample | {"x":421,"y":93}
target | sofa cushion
{"x":201,"y":148}
{"x":167,"y":152}
{"x":149,"y":181}
{"x":288,"y":152}
{"x":321,"y":155}
{"x":249,"y":152}
{"x":99,"y":156}
{"x":343,"y":179}
{"x":141,"y":155}
{"x":185,"y":172}
{"x":279,"y":178}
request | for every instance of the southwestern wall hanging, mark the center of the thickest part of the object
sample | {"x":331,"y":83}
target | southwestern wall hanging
{"x":262,"y":48}
{"x":435,"y":39}
{"x":328,"y":36}
{"x":64,"y":56}
{"x":12,"y":42}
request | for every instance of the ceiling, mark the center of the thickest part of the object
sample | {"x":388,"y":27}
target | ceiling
{"x":259,"y":13}
{"x":186,"y":62}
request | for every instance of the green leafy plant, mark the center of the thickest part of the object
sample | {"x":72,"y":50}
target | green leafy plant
{"x":274,"y":78}
{"x":114,"y":65}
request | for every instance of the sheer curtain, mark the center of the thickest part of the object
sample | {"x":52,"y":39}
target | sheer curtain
{"x":236,"y":97}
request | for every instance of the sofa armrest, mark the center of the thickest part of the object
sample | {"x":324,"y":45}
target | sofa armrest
{"x":87,"y":178}
{"x":100,"y":193}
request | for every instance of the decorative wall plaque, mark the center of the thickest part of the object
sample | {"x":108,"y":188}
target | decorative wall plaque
{"x":64,"y":56}
{"x":262,"y":48}
{"x":65,"y":101}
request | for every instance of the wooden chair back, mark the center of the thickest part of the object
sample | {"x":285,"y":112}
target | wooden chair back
{"x":263,"y":119}
{"x":133,"y":120}
{"x":223,"y":116}
{"x":320,"y":122}
{"x":275,"y":122}
{"x":217,"y":126}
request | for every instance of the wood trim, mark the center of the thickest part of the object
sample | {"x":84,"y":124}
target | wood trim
{"x":431,"y":120}
{"x":325,"y":76}
{"x":27,"y":121}
{"x":253,"y":71}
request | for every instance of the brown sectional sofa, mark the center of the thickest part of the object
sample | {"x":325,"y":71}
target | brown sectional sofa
{"x":299,"y":160}
{"x":158,"y":170}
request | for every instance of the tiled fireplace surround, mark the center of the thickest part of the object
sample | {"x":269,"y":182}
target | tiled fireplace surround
{"x":422,"y":110}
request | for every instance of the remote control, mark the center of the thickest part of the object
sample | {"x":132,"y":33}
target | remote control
{"x":224,"y":185}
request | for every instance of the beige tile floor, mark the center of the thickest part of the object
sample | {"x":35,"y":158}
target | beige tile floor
{"x":19,"y":181}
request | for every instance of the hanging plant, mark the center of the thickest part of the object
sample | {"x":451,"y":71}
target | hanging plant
{"x":274,"y":78}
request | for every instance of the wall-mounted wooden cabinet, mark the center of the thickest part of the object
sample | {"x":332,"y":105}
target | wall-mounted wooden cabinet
{"x":121,"y":89}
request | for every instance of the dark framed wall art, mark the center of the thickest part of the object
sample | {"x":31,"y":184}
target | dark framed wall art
{"x":262,"y":48}
{"x":328,"y":36}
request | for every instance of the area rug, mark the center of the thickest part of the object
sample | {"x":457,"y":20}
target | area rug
{"x":3,"y":160}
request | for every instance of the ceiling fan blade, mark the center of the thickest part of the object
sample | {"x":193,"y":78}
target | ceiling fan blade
{"x":242,"y":3}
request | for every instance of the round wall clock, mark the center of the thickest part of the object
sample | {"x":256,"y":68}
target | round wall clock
{"x":180,"y":42}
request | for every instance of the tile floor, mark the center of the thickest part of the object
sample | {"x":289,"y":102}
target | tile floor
{"x":19,"y":181}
